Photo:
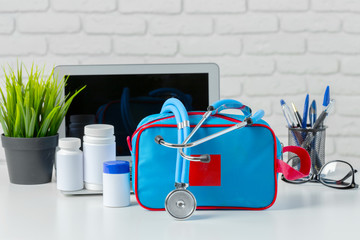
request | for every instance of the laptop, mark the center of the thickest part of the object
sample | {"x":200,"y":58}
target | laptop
{"x":122,"y":95}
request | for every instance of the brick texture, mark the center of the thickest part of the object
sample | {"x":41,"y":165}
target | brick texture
{"x":246,"y":65}
{"x":143,"y":46}
{"x":48,"y":23}
{"x":330,"y":44}
{"x":260,"y":87}
{"x":350,"y":66}
{"x":215,"y":46}
{"x":254,"y":23}
{"x":23,"y":5}
{"x":74,"y":45}
{"x":155,"y":6}
{"x":279,"y":5}
{"x":341,"y":85}
{"x":308,"y":65}
{"x":231,"y":87}
{"x":7,"y":25}
{"x":22,"y":46}
{"x":266,"y":49}
{"x":343,"y":108}
{"x":348,"y":147}
{"x":113,"y":24}
{"x":278,"y":44}
{"x":179,"y":25}
{"x":352,"y":24}
{"x":214,"y":6}
{"x":310,"y":23}
{"x":84,"y":5}
{"x":336,"y":5}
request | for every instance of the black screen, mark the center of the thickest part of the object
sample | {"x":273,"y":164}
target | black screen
{"x":124,"y":100}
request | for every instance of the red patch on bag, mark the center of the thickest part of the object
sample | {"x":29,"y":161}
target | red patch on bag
{"x":206,"y":174}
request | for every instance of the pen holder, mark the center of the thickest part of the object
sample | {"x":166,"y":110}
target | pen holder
{"x":313,"y":140}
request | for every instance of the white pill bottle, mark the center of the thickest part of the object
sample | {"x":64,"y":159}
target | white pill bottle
{"x":116,"y":191}
{"x":69,"y":165}
{"x":98,"y":146}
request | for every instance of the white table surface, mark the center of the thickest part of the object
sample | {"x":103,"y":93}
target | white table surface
{"x":308,"y":211}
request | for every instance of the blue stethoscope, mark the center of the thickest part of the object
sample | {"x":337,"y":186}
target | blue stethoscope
{"x":181,"y":203}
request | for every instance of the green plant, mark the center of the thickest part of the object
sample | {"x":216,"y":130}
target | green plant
{"x":34,"y":109}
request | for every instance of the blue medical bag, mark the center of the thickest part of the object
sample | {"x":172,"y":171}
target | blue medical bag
{"x":242,"y":173}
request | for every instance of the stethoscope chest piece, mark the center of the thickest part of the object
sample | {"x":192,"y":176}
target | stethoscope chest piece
{"x":180,"y":204}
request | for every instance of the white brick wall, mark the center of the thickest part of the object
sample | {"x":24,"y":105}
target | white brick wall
{"x":48,"y":23}
{"x":336,"y":5}
{"x":311,"y":22}
{"x":214,"y":46}
{"x":23,"y":6}
{"x":279,"y":5}
{"x":274,"y":44}
{"x":307,"y":65}
{"x":141,"y":46}
{"x":181,"y":25}
{"x":155,"y":6}
{"x":79,"y":45}
{"x":7,"y":24}
{"x":83,"y":5}
{"x":330,"y":44}
{"x":22,"y":45}
{"x":266,"y":49}
{"x":215,"y":6}
{"x":352,"y":24}
{"x":113,"y":24}
{"x":246,"y":23}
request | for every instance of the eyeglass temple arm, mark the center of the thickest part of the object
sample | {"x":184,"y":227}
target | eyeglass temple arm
{"x":341,"y":181}
{"x":347,"y":176}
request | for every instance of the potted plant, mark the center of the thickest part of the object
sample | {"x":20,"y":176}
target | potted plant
{"x":30,"y":115}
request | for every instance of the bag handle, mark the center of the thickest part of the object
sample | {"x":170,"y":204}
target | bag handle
{"x":289,"y":172}
{"x":229,"y":104}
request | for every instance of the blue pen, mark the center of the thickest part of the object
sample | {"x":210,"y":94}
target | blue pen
{"x":326,"y":100}
{"x":305,"y":113}
{"x":312,"y":113}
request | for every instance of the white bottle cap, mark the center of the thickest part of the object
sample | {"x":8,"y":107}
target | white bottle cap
{"x":99,"y":130}
{"x":70,"y":142}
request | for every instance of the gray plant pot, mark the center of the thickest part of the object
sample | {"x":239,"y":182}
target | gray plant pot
{"x":30,"y":160}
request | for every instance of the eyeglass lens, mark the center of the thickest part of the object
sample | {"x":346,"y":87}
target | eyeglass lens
{"x":336,"y":174}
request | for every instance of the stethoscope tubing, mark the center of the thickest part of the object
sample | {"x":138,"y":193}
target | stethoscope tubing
{"x":186,"y":130}
{"x":205,"y":158}
{"x":174,"y":110}
{"x":175,"y":106}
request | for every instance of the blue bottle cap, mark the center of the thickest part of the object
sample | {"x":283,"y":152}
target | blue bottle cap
{"x":116,"y":167}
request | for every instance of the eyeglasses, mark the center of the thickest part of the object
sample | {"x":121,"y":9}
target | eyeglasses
{"x":336,"y":174}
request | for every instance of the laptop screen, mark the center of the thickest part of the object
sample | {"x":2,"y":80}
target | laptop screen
{"x":124,"y":100}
